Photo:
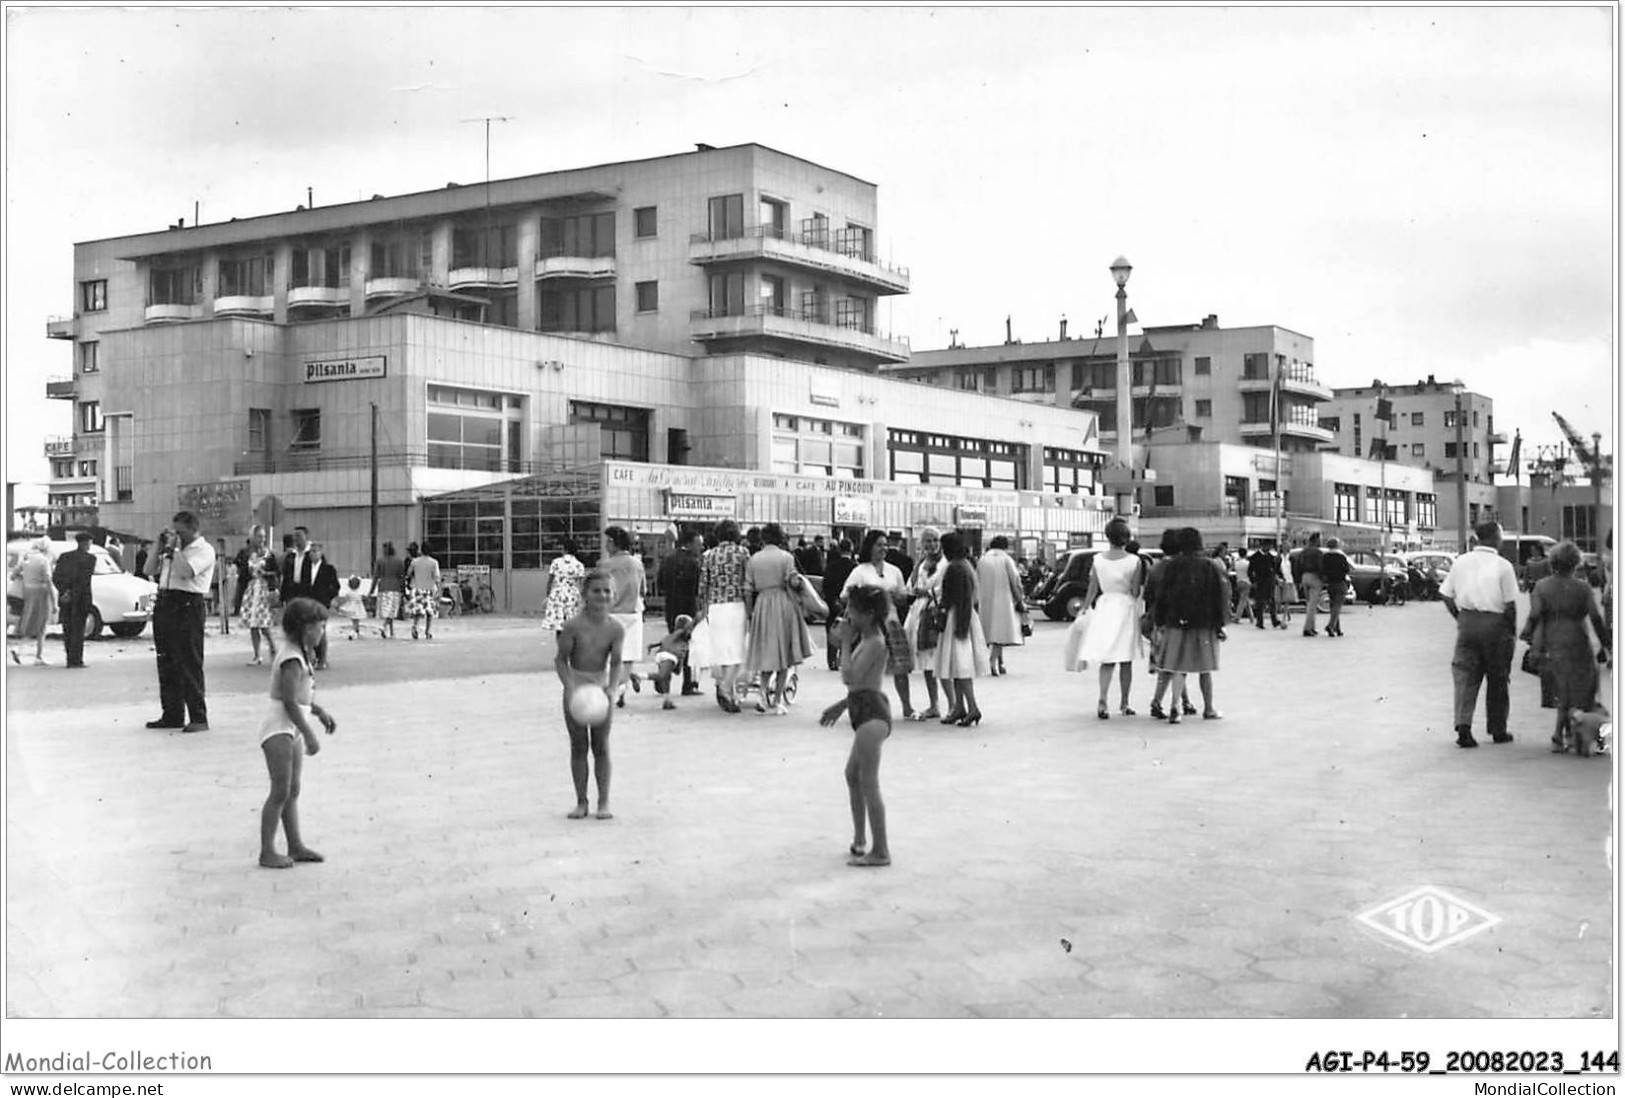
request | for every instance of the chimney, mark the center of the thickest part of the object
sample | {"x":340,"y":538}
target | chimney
{"x":1210,"y":322}
{"x":1007,"y":337}
{"x":1063,"y":327}
{"x":310,"y":198}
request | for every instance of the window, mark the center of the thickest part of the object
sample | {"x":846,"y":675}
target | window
{"x":1419,"y":449}
{"x":259,"y":430}
{"x":174,"y":285}
{"x":774,"y":215}
{"x":1450,"y":449}
{"x":90,"y":416}
{"x":1333,"y":424}
{"x":1427,"y":509}
{"x":329,"y":267}
{"x":61,"y":468}
{"x":969,"y":380}
{"x":583,"y":235}
{"x":474,"y":429}
{"x":1204,"y":409}
{"x":1346,"y":500}
{"x":587,"y":309}
{"x":1255,"y":366}
{"x":1450,"y":419}
{"x":1395,"y":508}
{"x":1204,"y":365}
{"x":124,"y":482}
{"x":857,"y":241}
{"x":247,"y":276}
{"x":950,"y":459}
{"x":648,"y":296}
{"x":772,"y":295}
{"x":1070,"y":472}
{"x":1418,"y":418}
{"x":1033,"y":379}
{"x":1372,"y":512}
{"x":1475,"y":451}
{"x":728,"y":294}
{"x":1475,"y":417}
{"x":490,"y":246}
{"x":727,"y":217}
{"x":624,"y":432}
{"x":1162,"y":495}
{"x":410,"y":257}
{"x":93,"y":296}
{"x":815,"y":230}
{"x":307,"y":429}
{"x":89,"y":357}
{"x":817,"y":447}
{"x":644,"y":222}
{"x":87,"y":467}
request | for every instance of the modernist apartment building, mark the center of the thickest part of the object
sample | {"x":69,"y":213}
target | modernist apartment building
{"x":1202,"y":375}
{"x":1421,"y":429}
{"x":714,"y":308}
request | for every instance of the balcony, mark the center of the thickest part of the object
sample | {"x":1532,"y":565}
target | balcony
{"x":487,"y":278}
{"x":1498,"y":438}
{"x":59,"y":446}
{"x":244,"y":305}
{"x":846,"y":259}
{"x":1290,"y":428}
{"x":393,"y":286}
{"x":170,"y":312}
{"x":311,"y":461}
{"x":61,"y":327}
{"x":575,"y":266}
{"x":61,"y":388}
{"x":1299,"y":380}
{"x":326,"y":297}
{"x":766,"y":322}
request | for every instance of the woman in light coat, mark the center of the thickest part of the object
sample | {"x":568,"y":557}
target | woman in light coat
{"x":39,"y":597}
{"x":998,"y":581}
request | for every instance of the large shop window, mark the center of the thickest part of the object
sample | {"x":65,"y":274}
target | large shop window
{"x":624,"y":431}
{"x":1427,"y":510}
{"x":1070,"y":472}
{"x":922,"y":457}
{"x":472,"y":429}
{"x":583,"y":235}
{"x":1346,"y":498}
{"x":588,"y":309}
{"x":812,"y":447}
{"x":247,"y":276}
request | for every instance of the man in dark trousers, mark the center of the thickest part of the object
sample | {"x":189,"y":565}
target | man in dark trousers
{"x":1481,"y":593}
{"x":680,"y":575}
{"x":837,"y":568}
{"x":1306,"y":573}
{"x":185,"y":572}
{"x":324,"y":588}
{"x":1334,"y":570}
{"x":1264,"y":572}
{"x":72,"y":578}
{"x":297,"y":580}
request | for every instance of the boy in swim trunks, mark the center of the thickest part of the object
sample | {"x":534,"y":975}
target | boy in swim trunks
{"x":670,"y":652}
{"x":590,"y":652}
{"x":863,"y":667}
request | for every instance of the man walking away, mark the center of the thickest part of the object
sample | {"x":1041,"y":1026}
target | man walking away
{"x":1264,"y":570}
{"x":185,"y":572}
{"x":72,"y":578}
{"x":837,"y":568}
{"x":1306,"y":573}
{"x":1334,"y":570}
{"x":681,"y":575}
{"x":1481,"y":593}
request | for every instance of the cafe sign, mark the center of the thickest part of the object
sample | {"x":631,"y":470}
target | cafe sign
{"x":695,"y":505}
{"x":970,"y":518}
{"x":851,"y":511}
{"x":345,"y":369}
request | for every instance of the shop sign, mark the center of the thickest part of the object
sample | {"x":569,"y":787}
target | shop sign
{"x":223,"y":508}
{"x":851,"y":511}
{"x":969,"y":518}
{"x":473,"y":571}
{"x":693,"y":505}
{"x":345,"y":369}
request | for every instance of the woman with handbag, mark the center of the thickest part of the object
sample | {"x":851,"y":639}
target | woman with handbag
{"x":874,"y":570}
{"x":923,"y":626}
{"x":1112,"y":638}
{"x":778,"y":637}
{"x":962,"y":651}
{"x":1559,"y":608}
{"x":1003,"y":604}
{"x":260,"y":601}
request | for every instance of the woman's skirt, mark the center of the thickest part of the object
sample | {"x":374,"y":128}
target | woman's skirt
{"x":1188,"y":650}
{"x":257,"y":612}
{"x":1568,"y":682}
{"x":778,"y":634}
{"x":922,"y":657}
{"x":422,"y":604}
{"x":725,"y":641}
{"x":389,"y":605}
{"x":36,"y":612}
{"x":563,"y":603}
{"x":962,"y":657}
{"x":1107,"y":633}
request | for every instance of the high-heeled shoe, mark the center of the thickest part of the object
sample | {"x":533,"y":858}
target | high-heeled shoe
{"x":1157,"y":712}
{"x":955,"y":716}
{"x":973,"y":717}
{"x":1187,"y":708}
{"x":1127,"y":710}
{"x":1102,"y":712}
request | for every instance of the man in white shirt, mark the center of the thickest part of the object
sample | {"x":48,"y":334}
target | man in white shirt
{"x":1481,"y":593}
{"x":186,"y":569}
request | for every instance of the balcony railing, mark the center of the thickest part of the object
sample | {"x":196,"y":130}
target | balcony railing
{"x":575,"y":266}
{"x":61,"y":327}
{"x":801,"y":325}
{"x":846,"y":256}
{"x":244,"y":305}
{"x":312,"y":461}
{"x":167,"y":312}
{"x":307,"y":296}
{"x":394,"y":285}
{"x":460,"y":278}
{"x":61,"y":388}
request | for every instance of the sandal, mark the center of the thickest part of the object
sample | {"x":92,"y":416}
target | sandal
{"x":1187,"y":708}
{"x":1127,"y":711}
{"x":926,"y":715}
{"x":1102,"y":712}
{"x":1157,"y":712}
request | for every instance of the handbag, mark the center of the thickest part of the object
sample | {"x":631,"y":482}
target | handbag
{"x":899,"y":660}
{"x":1026,"y":623}
{"x":932,"y":621}
{"x":1532,"y":663}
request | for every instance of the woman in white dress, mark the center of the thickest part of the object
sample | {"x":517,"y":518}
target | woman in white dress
{"x":1109,"y":633}
{"x":998,"y":584}
{"x":924,"y":585}
{"x":876,"y":571}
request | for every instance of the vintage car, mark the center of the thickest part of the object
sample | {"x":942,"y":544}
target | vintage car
{"x":1061,"y":595}
{"x":119,"y":600}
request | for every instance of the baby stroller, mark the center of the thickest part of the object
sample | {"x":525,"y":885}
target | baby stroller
{"x":752,"y":685}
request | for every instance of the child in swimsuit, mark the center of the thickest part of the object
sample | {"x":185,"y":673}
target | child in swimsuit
{"x":670,"y":651}
{"x":285,"y":733}
{"x":863,"y":666}
{"x":590,"y":652}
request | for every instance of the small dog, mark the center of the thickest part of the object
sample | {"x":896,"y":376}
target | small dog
{"x":1591,"y":729}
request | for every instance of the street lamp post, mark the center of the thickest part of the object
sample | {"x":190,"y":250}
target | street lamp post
{"x":1125,"y":405}
{"x":1461,"y":479}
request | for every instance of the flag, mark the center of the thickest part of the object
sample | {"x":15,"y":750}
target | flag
{"x":1512,"y":458}
{"x":1385,"y":410}
{"x":1275,"y":403}
{"x":1379,"y":450}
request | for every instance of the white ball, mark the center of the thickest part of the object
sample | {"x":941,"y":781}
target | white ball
{"x":589,"y":705}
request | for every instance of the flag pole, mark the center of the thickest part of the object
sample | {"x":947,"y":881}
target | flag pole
{"x":1275,"y":429}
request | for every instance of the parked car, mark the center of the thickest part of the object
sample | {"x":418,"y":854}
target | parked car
{"x":119,"y":600}
{"x":1371,"y":580}
{"x":1061,"y":595}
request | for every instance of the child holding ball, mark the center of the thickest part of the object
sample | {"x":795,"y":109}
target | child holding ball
{"x":285,"y":733}
{"x":590,"y":655}
{"x":863,"y":666}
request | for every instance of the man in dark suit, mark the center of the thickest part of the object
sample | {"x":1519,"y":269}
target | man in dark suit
{"x":680,"y":575}
{"x":72,"y":578}
{"x":836,"y":570}
{"x":296,"y":568}
{"x":897,"y":555}
{"x":324,"y":588}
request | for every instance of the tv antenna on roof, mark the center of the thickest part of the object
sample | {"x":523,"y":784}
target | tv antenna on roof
{"x":488,"y":119}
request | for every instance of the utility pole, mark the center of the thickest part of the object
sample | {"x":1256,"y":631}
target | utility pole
{"x":374,"y":484}
{"x":1461,"y":480}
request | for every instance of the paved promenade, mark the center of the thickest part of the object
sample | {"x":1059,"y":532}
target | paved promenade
{"x":1046,"y":863}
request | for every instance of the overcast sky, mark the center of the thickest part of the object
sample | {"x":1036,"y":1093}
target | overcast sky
{"x":1421,"y":190}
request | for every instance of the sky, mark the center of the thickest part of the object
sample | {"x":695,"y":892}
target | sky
{"x":1421,"y":190}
